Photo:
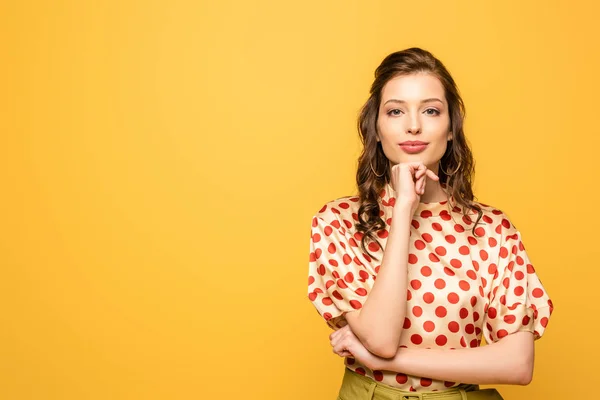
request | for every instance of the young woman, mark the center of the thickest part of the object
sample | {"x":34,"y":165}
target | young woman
{"x":412,"y":272}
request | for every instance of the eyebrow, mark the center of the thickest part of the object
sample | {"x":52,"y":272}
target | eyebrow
{"x":430,"y":100}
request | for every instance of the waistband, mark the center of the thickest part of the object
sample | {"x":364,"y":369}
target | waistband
{"x":357,"y":386}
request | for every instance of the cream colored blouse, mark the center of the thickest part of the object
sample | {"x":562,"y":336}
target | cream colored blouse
{"x":460,"y":286}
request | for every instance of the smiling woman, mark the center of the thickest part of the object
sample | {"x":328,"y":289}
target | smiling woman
{"x":413,"y":272}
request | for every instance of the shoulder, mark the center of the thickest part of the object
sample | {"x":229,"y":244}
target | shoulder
{"x":339,"y":212}
{"x":495,"y":222}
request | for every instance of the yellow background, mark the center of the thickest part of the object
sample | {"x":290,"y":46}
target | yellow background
{"x":161,"y":162}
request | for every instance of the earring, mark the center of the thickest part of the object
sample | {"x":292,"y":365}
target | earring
{"x":453,"y":172}
{"x":379,"y":176}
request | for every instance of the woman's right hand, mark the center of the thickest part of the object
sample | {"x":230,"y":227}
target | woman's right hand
{"x":408,"y":180}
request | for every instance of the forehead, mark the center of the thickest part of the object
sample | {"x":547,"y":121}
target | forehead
{"x":413,"y":88}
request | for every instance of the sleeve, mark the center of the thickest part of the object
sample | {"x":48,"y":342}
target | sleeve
{"x":518,"y":301}
{"x":336,"y":283}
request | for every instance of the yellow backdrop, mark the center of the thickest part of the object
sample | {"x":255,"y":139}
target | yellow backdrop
{"x":161,"y":161}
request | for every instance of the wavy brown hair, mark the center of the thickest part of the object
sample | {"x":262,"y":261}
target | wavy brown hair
{"x":457,"y":166}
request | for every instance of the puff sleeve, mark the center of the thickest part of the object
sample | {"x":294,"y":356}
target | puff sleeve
{"x":518,"y":301}
{"x":337,"y":279}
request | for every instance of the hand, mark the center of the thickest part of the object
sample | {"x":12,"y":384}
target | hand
{"x":346,"y":344}
{"x":409,"y":180}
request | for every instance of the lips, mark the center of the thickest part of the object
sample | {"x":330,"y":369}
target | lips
{"x":412,"y":142}
{"x":413,"y":147}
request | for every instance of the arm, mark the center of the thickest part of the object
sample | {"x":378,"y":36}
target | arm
{"x":379,"y":323}
{"x":507,"y":361}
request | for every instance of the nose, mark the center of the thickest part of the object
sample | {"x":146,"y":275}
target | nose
{"x":414,"y":126}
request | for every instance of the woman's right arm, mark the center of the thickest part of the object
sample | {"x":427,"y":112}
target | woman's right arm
{"x":379,"y":323}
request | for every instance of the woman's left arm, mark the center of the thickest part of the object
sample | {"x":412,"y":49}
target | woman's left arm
{"x":507,"y":361}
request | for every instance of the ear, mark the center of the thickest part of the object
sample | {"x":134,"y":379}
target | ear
{"x":450,"y":136}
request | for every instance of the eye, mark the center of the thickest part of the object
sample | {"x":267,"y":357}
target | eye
{"x":436,"y":112}
{"x":391,"y":112}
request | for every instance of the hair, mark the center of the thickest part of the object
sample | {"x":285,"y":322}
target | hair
{"x":457,"y":166}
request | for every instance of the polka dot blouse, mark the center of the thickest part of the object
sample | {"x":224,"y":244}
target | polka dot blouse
{"x":460,"y":286}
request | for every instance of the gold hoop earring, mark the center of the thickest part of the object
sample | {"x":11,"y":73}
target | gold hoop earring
{"x":453,"y":172}
{"x":379,"y":176}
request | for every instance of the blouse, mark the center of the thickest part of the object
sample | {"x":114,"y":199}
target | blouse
{"x":460,"y":286}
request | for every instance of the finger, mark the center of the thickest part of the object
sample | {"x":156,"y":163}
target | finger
{"x":432,"y":175}
{"x":338,"y":349}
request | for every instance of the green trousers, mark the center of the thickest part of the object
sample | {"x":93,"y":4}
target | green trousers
{"x":358,"y":387}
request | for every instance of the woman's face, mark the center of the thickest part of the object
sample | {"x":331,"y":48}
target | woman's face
{"x":414,"y":108}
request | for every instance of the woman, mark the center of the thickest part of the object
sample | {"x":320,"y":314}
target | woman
{"x":412,"y":272}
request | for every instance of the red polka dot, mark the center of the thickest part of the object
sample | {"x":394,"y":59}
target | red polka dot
{"x":426,"y":271}
{"x":464,"y":250}
{"x":464,"y":313}
{"x":327,"y":301}
{"x":472,"y":274}
{"x":360,"y":371}
{"x":361,"y":291}
{"x":483,"y":255}
{"x":428,"y":298}
{"x":407,"y":323}
{"x":425,"y":382}
{"x":374,"y":247}
{"x":401,"y":378}
{"x":519,"y":290}
{"x":448,"y":271}
{"x":491,"y":313}
{"x":419,"y":244}
{"x":456,"y":263}
{"x":427,"y":237}
{"x":464,"y":285}
{"x":453,"y":326}
{"x":349,"y":277}
{"x":441,"y":311}
{"x":412,"y":259}
{"x":544,"y":321}
{"x":509,"y":319}
{"x":433,"y":257}
{"x":416,"y":339}
{"x":519,"y":275}
{"x":537,"y":293}
{"x":470,"y":328}
{"x":436,"y":227}
{"x":502,"y":333}
{"x":417,"y":311}
{"x":355,"y":304}
{"x":453,"y":298}
{"x":450,"y":239}
{"x":415,"y":284}
{"x":441,"y":340}
{"x":378,"y":375}
{"x":429,"y":326}
{"x":440,"y":283}
{"x":440,"y":250}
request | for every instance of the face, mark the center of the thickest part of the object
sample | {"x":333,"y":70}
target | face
{"x":408,"y":113}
